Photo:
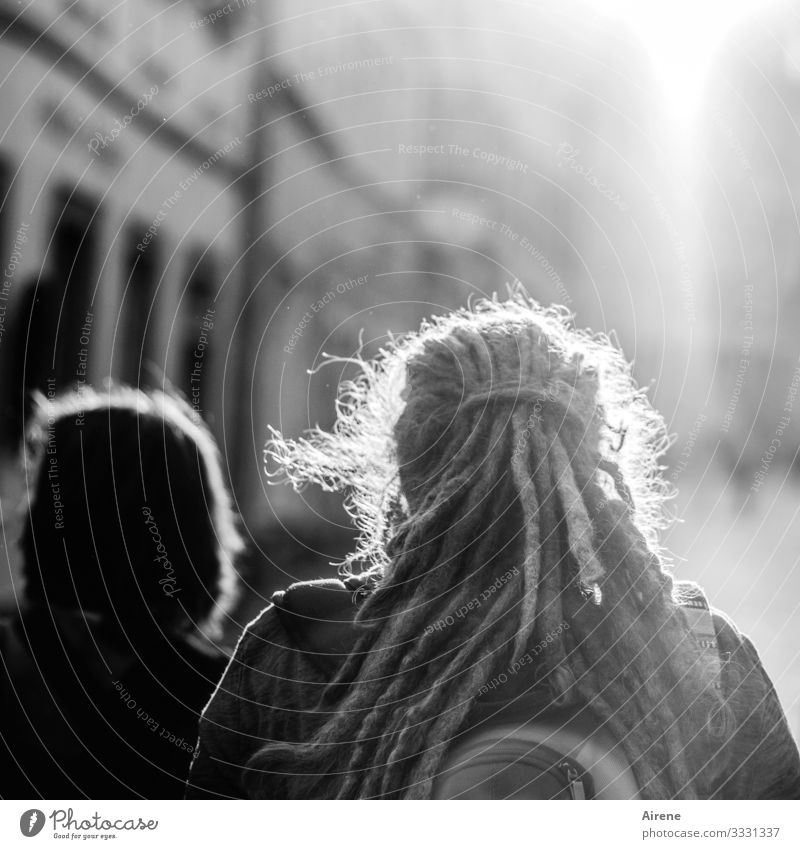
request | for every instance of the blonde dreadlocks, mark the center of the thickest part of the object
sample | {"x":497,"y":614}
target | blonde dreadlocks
{"x":494,"y":437}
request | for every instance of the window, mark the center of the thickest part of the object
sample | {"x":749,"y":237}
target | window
{"x":67,"y":289}
{"x":199,"y":311}
{"x":136,"y":329}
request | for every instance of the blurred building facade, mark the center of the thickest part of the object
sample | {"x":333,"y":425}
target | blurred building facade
{"x":261,"y":185}
{"x":122,"y":164}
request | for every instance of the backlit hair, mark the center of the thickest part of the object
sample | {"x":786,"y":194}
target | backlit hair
{"x":497,"y":438}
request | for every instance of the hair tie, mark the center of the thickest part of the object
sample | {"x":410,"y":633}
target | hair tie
{"x":510,"y":393}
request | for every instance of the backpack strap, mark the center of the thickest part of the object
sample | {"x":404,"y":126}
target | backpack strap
{"x":694,"y":604}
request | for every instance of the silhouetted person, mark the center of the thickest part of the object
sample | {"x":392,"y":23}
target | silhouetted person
{"x":127,"y":549}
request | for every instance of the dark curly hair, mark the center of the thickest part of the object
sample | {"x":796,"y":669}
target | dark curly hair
{"x":129,"y":515}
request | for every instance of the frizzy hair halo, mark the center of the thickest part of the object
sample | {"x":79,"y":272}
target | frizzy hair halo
{"x":359,"y":455}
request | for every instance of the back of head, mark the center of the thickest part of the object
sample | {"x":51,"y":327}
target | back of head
{"x":503,"y":469}
{"x":129,"y":516}
{"x":482,"y":396}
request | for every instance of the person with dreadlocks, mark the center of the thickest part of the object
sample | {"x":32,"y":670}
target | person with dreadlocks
{"x":502,"y":468}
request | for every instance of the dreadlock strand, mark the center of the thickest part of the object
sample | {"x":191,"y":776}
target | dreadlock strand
{"x":579,"y":526}
{"x":448,"y":702}
{"x":531,"y":563}
{"x":551,"y":619}
{"x":627,"y":683}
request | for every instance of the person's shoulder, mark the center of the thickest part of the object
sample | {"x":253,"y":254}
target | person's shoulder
{"x":689,"y":594}
{"x":310,"y":619}
{"x":264,"y":630}
{"x":326,"y":598}
{"x":729,"y":636}
{"x":302,"y":600}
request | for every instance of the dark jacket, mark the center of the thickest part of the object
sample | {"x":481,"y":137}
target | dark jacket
{"x":90,"y":712}
{"x":286,"y":657}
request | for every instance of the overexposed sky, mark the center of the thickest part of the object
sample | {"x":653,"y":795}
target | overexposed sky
{"x":682,"y":37}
